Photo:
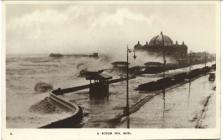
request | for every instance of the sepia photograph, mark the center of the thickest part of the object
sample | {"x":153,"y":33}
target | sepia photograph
{"x":114,"y":64}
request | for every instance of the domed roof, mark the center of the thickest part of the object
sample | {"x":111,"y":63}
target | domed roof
{"x":157,"y":40}
{"x":138,"y":45}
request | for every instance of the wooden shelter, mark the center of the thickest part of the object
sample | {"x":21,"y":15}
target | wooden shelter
{"x":99,"y":85}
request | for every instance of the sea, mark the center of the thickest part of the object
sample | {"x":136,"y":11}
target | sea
{"x":26,"y":107}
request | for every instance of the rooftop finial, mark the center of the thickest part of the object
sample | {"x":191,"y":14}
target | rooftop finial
{"x":138,"y":42}
{"x":183,"y":43}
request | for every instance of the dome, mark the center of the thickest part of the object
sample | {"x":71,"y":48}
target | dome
{"x":138,"y":45}
{"x":157,"y":40}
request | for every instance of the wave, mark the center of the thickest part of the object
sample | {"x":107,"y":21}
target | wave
{"x":46,"y":106}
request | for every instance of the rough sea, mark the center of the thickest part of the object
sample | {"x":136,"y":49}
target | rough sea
{"x":25,"y":107}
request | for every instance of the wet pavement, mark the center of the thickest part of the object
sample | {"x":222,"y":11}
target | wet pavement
{"x":183,"y":108}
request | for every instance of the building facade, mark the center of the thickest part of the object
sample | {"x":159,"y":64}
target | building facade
{"x":163,"y":44}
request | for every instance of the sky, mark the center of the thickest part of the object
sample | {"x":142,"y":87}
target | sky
{"x":106,"y":28}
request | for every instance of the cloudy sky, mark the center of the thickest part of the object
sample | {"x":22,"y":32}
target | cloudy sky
{"x":87,"y":28}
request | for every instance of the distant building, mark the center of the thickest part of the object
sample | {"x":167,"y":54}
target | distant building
{"x":201,"y":57}
{"x":173,"y":50}
{"x":120,"y":64}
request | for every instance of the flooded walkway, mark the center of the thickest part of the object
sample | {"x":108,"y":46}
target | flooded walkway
{"x":184,"y":108}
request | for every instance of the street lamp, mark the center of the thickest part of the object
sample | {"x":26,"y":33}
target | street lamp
{"x":164,"y":65}
{"x":205,"y":59}
{"x":190,"y":67}
{"x":127,"y":83}
{"x":134,"y":56}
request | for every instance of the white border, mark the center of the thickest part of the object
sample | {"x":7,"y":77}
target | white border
{"x":71,"y":134}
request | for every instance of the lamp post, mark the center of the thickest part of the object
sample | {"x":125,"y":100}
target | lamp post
{"x":134,"y":56}
{"x":164,"y":65}
{"x":205,"y":59}
{"x":127,"y":85}
{"x":190,"y":67}
{"x":190,"y":61}
{"x":164,"y":55}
